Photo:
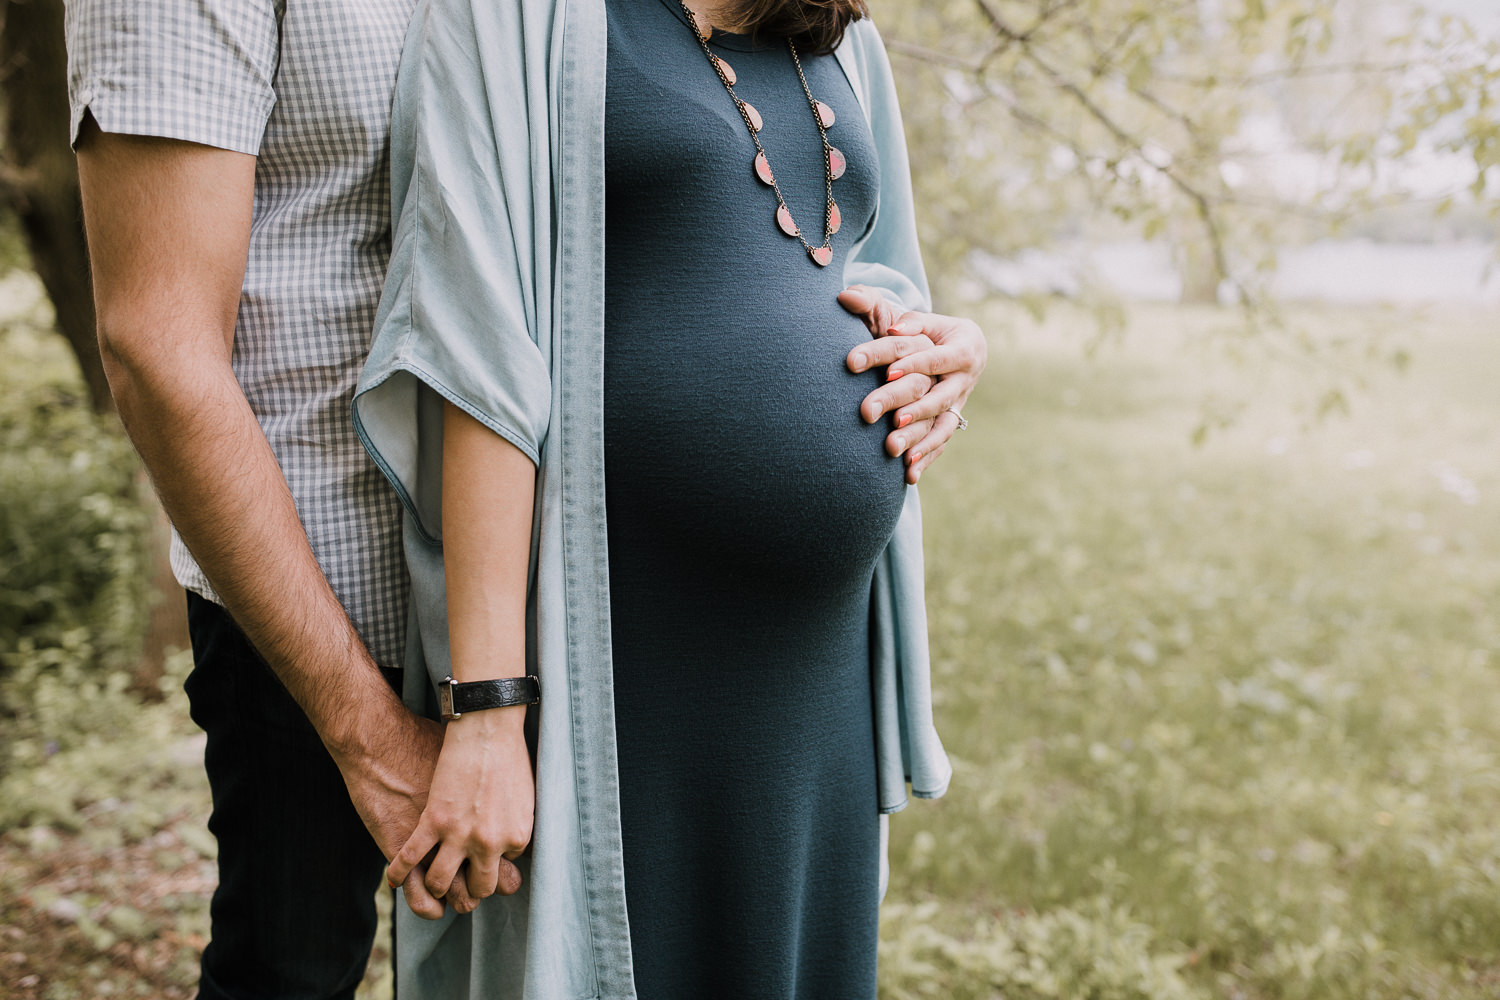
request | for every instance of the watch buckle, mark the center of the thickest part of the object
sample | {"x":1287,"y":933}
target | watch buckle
{"x":445,"y":699}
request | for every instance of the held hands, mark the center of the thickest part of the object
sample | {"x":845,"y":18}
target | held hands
{"x":388,"y":783}
{"x":479,"y":810}
{"x":933,"y":362}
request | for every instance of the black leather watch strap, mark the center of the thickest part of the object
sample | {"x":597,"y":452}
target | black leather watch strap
{"x":454,"y":699}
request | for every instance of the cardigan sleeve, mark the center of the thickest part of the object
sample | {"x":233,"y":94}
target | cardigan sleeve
{"x":459,"y":316}
{"x":908,"y":749}
{"x":887,"y":255}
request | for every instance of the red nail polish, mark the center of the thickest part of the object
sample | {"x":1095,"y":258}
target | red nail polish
{"x":914,"y":457}
{"x":893,"y":374}
{"x":903,"y":420}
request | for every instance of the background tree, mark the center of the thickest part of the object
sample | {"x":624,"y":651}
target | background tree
{"x":39,"y":188}
{"x":1037,"y":120}
{"x":38,"y":177}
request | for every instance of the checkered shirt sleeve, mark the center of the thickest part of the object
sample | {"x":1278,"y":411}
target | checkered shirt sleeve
{"x":197,"y":70}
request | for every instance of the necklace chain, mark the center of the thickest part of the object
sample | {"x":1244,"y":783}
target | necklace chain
{"x":828,"y":206}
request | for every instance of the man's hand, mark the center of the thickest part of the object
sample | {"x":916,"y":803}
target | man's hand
{"x":479,"y":811}
{"x":388,"y":779}
{"x":933,"y":362}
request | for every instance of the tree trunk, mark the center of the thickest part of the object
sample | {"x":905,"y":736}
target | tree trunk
{"x":39,"y":179}
{"x":1197,"y":264}
{"x":39,"y":183}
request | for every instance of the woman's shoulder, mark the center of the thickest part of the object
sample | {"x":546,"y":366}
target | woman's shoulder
{"x":861,"y":52}
{"x":861,"y":41}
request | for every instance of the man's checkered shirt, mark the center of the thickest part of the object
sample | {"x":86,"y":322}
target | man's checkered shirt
{"x":306,"y":86}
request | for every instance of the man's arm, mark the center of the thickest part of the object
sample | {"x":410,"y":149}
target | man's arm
{"x":169,"y":229}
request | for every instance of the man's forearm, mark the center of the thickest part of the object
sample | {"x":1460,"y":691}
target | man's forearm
{"x":222,"y":487}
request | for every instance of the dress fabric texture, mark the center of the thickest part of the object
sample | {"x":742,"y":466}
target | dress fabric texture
{"x":495,"y":301}
{"x":746,"y":514}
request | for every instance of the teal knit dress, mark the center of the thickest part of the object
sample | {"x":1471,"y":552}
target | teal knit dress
{"x":747,"y":505}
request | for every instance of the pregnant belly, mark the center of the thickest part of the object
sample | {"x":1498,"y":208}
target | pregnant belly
{"x":742,"y":452}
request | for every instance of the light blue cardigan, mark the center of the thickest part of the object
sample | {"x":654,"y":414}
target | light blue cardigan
{"x":495,"y":301}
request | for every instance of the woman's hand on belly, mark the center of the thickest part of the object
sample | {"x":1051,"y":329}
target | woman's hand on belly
{"x":933,"y":361}
{"x":479,"y":810}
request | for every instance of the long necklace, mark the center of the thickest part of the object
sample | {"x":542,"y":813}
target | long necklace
{"x":834,"y":163}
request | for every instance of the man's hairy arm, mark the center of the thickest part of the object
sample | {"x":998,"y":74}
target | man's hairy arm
{"x":169,"y":229}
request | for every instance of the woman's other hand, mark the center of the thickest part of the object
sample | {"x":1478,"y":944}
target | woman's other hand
{"x":479,"y":810}
{"x":933,"y":363}
{"x":481,"y":806}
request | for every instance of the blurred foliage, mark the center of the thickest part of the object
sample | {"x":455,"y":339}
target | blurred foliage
{"x":1032,"y":121}
{"x":1094,"y":951}
{"x":13,"y":252}
{"x":1226,"y":720}
{"x":73,"y":530}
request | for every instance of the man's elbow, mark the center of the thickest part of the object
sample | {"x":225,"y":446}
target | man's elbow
{"x":145,"y":363}
{"x":131,"y":360}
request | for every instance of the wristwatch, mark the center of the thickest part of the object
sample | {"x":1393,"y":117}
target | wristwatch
{"x":454,"y":699}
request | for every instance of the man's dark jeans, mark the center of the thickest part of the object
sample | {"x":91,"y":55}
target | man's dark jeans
{"x":294,"y":913}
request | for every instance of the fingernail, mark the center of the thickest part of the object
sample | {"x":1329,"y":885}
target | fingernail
{"x":892,"y":374}
{"x":914,"y":457}
{"x":857,"y":360}
{"x":897,"y":328}
{"x":903,"y":420}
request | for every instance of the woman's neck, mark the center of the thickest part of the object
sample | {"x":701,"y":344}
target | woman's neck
{"x":713,"y":14}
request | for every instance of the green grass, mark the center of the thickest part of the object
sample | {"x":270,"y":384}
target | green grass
{"x":1226,"y":718}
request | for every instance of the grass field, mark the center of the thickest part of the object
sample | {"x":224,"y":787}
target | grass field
{"x":1225,"y":717}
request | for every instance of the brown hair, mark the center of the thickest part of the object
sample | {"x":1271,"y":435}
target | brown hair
{"x":817,"y":26}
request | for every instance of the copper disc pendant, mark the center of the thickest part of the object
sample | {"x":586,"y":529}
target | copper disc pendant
{"x":763,"y":169}
{"x":836,"y":163}
{"x":784,"y":220}
{"x":823,"y":116}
